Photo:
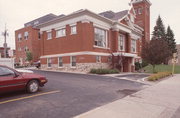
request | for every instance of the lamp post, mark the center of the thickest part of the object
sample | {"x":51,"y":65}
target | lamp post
{"x":174,"y":62}
{"x":5,"y":34}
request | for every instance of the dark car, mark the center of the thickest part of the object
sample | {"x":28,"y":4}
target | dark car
{"x":11,"y":80}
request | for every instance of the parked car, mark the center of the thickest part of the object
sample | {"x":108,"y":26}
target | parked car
{"x":11,"y":80}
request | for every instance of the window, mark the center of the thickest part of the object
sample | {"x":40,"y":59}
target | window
{"x":100,"y":37}
{"x":49,"y":62}
{"x":98,"y":59}
{"x":140,"y":10}
{"x":61,"y":32}
{"x":19,"y":37}
{"x":73,"y":61}
{"x":133,"y":45}
{"x":121,"y":43}
{"x":49,"y":35}
{"x":60,"y":62}
{"x":26,"y":35}
{"x":132,"y":18}
{"x":6,"y":72}
{"x":73,"y":29}
{"x":26,"y":48}
{"x":39,"y":35}
{"x":19,"y":49}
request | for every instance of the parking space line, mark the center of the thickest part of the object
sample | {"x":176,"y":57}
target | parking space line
{"x":27,"y":97}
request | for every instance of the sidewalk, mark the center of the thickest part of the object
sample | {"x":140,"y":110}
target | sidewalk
{"x":159,"y":101}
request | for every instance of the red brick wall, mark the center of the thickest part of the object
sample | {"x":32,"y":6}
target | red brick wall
{"x":143,"y":19}
{"x":32,"y":43}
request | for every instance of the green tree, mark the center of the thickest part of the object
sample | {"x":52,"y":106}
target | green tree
{"x":159,"y":30}
{"x":155,"y":52}
{"x":29,"y":56}
{"x":170,"y":40}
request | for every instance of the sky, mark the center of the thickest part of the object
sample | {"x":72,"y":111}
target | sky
{"x":14,"y":13}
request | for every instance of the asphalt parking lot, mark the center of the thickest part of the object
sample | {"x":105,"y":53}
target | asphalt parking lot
{"x":66,"y":95}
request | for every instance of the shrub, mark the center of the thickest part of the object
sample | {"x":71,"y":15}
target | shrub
{"x":104,"y":71}
{"x":159,"y":75}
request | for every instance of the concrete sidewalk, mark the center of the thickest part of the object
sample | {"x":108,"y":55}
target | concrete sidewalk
{"x":159,"y":101}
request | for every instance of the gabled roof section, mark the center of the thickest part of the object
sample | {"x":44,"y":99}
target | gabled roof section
{"x":137,"y":1}
{"x":42,"y":19}
{"x":114,"y":16}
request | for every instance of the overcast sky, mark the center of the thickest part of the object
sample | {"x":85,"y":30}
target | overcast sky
{"x":17,"y":12}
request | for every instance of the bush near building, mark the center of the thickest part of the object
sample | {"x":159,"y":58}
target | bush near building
{"x":104,"y":71}
{"x":158,"y":76}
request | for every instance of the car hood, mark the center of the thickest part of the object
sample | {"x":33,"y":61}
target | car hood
{"x":32,"y":75}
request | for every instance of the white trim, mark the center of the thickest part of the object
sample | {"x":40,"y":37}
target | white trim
{"x":48,"y":30}
{"x":62,"y":27}
{"x":73,"y":24}
{"x":75,"y":54}
{"x":85,"y":21}
{"x":125,"y":54}
{"x":106,"y":48}
{"x":101,"y":26}
{"x":134,"y":36}
{"x":73,"y":21}
{"x":89,"y":53}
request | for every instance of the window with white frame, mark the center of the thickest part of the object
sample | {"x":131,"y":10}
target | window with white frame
{"x":133,"y":45}
{"x":140,"y":10}
{"x":19,"y":37}
{"x":60,"y":63}
{"x":26,"y":35}
{"x":61,"y":32}
{"x":100,"y":37}
{"x":49,"y":35}
{"x":26,"y":49}
{"x":19,"y":48}
{"x":73,"y":29}
{"x":73,"y":61}
{"x":98,"y":59}
{"x":49,"y":62}
{"x":121,"y":42}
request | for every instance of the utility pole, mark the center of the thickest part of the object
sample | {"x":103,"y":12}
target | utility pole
{"x":5,"y":34}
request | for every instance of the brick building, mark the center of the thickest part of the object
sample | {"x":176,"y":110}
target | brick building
{"x":84,"y":40}
{"x":2,"y":52}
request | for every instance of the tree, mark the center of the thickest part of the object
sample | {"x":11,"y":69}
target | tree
{"x":159,"y":30}
{"x":29,"y":56}
{"x":155,"y":52}
{"x":170,"y":40}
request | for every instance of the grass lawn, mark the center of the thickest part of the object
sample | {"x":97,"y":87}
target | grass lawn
{"x":162,"y":68}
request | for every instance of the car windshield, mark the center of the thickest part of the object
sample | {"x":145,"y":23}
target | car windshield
{"x":5,"y":71}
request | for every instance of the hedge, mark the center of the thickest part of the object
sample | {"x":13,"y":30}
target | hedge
{"x":159,"y":75}
{"x":104,"y":71}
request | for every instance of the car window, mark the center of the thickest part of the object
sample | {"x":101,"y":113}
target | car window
{"x":6,"y":72}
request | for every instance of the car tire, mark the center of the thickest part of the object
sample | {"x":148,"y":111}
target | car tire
{"x":33,"y":86}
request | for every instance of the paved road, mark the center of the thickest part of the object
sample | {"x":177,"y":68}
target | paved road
{"x":78,"y":94}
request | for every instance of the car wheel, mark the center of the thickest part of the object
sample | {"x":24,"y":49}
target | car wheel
{"x":33,"y":86}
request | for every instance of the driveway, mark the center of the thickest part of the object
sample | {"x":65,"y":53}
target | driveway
{"x":66,"y":95}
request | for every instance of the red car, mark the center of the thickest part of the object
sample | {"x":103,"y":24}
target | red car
{"x":11,"y":80}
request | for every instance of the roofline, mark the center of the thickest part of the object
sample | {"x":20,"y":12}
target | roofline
{"x":74,"y":14}
{"x":141,"y":1}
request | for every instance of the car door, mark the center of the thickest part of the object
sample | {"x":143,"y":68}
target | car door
{"x":9,"y":81}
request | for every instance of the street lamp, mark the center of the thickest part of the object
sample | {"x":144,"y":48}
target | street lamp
{"x":5,"y":34}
